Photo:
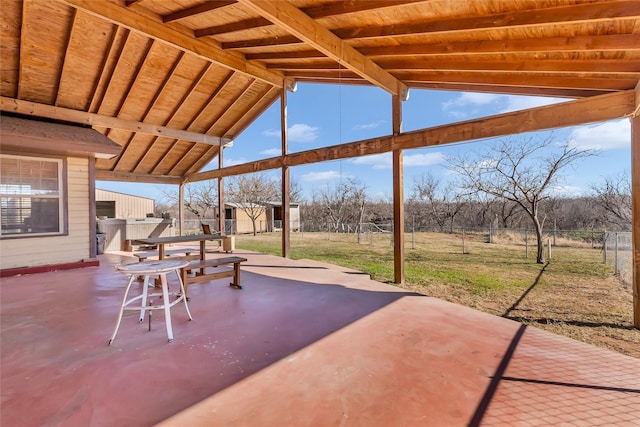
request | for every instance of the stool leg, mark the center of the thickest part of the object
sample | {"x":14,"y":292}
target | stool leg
{"x":145,"y":286}
{"x":184,"y":294}
{"x":167,"y":305}
{"x":124,"y":300}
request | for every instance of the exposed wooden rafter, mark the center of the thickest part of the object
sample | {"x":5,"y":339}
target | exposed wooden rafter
{"x":314,"y":12}
{"x":196,"y":10}
{"x":603,"y":11}
{"x":182,"y":40}
{"x":92,"y":119}
{"x":305,"y":28}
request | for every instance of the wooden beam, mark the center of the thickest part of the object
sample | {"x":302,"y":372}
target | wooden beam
{"x":315,"y":12}
{"x":516,"y":79}
{"x":302,"y":26}
{"x":246,"y":24}
{"x":286,"y":178}
{"x":571,"y":113}
{"x":522,"y":63}
{"x":110,"y":59}
{"x":635,"y":208}
{"x":196,"y":10}
{"x":398,"y":196}
{"x":222,"y":228}
{"x":103,"y":175}
{"x":605,"y":11}
{"x":177,"y":106}
{"x":262,"y":42}
{"x":92,"y":119}
{"x":182,"y":39}
{"x":596,"y":43}
{"x":181,"y":207}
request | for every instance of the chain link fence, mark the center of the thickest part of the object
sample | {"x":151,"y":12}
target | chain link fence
{"x":615,"y":246}
{"x":617,"y":252}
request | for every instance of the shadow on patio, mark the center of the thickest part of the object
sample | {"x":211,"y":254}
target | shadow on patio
{"x":302,"y":344}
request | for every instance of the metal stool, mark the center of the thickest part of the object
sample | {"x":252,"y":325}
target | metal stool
{"x":146,"y":269}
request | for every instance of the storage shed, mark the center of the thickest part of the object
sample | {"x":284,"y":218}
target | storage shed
{"x":111,"y":204}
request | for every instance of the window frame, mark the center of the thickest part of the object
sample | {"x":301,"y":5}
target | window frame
{"x":63,"y":212}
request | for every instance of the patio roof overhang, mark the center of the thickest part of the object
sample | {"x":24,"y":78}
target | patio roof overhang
{"x":174,"y":82}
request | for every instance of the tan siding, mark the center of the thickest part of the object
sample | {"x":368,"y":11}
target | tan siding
{"x":127,"y":206}
{"x":75,"y":246}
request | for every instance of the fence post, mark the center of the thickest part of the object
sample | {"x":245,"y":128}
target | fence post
{"x":617,"y":257}
{"x":549,"y":248}
{"x":490,"y":234}
{"x":526,"y":243}
{"x":604,"y":246}
{"x":555,"y":232}
{"x":463,"y":251}
{"x":413,"y":232}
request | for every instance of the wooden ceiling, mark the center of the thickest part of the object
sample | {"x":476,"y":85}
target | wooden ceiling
{"x":172,"y":81}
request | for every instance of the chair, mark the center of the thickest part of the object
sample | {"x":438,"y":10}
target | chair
{"x":206,"y":229}
{"x":146,"y":269}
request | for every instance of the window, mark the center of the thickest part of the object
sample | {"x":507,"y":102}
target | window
{"x":31,"y":196}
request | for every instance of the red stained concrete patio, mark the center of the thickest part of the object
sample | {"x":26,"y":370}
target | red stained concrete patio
{"x":304,"y":344}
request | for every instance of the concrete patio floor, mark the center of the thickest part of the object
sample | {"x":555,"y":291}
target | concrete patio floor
{"x":304,"y":344}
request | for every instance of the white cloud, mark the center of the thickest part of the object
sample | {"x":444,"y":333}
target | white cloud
{"x":272,"y":152}
{"x":377,"y":161}
{"x":232,"y":162}
{"x":515,"y":103}
{"x":272,"y":133}
{"x":566,"y":191}
{"x":427,"y":159}
{"x":367,"y":126}
{"x":321,"y":176}
{"x":467,"y":103}
{"x":604,"y":136}
{"x":470,"y":98}
{"x":384,"y":160}
{"x":298,"y":132}
{"x":303,"y":133}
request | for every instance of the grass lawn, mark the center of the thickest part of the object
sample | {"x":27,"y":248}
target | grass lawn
{"x":573,"y":294}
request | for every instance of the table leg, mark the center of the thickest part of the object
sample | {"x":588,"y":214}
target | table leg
{"x":124,"y":300}
{"x":203,"y":255}
{"x":167,"y":305}
{"x":145,"y":286}
{"x":158,"y":281}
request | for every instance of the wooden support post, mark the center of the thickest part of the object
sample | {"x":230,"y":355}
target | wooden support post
{"x":222,"y":229}
{"x":181,"y":207}
{"x":398,"y":197}
{"x":286,"y":202}
{"x":635,"y":195}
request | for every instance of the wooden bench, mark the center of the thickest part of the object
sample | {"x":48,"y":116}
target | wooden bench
{"x":142,"y":256}
{"x":203,"y":276}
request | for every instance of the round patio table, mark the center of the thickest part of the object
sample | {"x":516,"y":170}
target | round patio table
{"x":146,"y":269}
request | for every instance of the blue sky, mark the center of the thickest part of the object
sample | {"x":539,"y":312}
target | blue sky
{"x":322,"y":115}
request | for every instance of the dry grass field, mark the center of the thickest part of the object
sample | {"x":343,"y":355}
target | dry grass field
{"x":573,"y":294}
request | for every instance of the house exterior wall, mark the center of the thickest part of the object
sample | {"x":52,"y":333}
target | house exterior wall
{"x":243,"y":223}
{"x":73,"y":247}
{"x":274,"y":217}
{"x":127,"y":206}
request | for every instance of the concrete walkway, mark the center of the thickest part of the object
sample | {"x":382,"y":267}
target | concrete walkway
{"x":302,"y":345}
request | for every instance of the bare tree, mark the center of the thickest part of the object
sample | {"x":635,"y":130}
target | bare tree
{"x":614,"y":198}
{"x":522,"y":171}
{"x":200,"y":198}
{"x":343,"y":203}
{"x":444,"y":203}
{"x":251,"y":194}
